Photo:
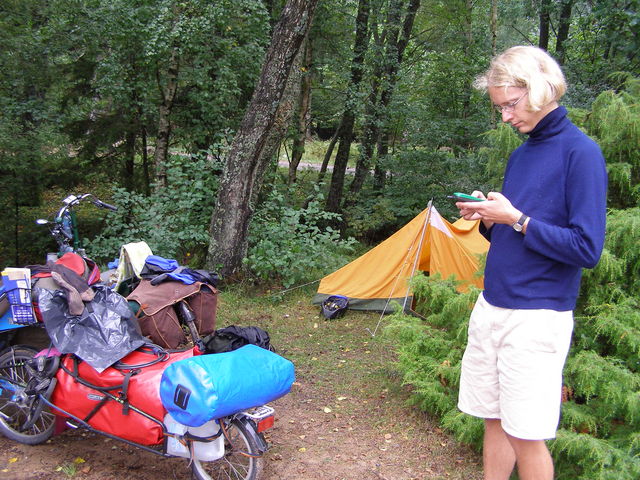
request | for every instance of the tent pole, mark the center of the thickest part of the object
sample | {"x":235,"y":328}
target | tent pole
{"x":415,"y":262}
{"x":418,"y":252}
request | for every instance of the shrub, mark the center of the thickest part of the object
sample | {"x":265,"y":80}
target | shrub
{"x":430,"y":350}
{"x":173,"y":220}
{"x":290,"y":245}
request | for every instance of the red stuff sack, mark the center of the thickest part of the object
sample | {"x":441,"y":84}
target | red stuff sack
{"x":135,"y":382}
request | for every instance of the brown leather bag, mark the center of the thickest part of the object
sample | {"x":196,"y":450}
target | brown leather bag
{"x":157,"y":315}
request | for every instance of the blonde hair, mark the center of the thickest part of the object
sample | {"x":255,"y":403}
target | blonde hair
{"x":526,"y":67}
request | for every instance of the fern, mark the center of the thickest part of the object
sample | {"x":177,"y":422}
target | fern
{"x":605,"y":383}
{"x":617,"y":329}
{"x":586,"y":457}
{"x":615,"y":123}
{"x":578,"y":419}
{"x":467,"y":429}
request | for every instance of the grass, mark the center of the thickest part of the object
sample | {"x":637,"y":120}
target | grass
{"x":315,"y":150}
{"x":314,"y":344}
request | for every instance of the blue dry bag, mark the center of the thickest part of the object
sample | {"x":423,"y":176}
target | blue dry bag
{"x":201,"y":388}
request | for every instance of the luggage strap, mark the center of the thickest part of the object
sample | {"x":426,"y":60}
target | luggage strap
{"x":122,"y":387}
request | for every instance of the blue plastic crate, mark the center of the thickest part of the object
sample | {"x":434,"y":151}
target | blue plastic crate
{"x":17,"y":285}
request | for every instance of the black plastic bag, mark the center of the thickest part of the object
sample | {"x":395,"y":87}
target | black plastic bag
{"x":106,"y":331}
{"x":233,"y":337}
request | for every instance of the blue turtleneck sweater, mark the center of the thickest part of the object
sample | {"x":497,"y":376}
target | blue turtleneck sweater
{"x":558,"y":178}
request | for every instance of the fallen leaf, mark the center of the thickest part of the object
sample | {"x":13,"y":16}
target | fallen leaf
{"x":341,"y":398}
{"x":387,"y":436}
{"x":79,"y":460}
{"x":315,"y":325}
{"x":327,"y":410}
{"x":13,"y":460}
{"x":302,"y":449}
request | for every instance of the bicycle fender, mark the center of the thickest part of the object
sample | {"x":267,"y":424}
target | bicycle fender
{"x":252,"y":430}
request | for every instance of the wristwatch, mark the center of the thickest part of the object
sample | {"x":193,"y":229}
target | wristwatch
{"x":519,"y":225}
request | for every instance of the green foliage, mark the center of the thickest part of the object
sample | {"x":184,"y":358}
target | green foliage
{"x":430,"y":352}
{"x":501,"y":141}
{"x":590,"y":458}
{"x":615,"y":123}
{"x":290,"y":245}
{"x":173,"y":221}
{"x":419,"y":175}
{"x":618,"y":272}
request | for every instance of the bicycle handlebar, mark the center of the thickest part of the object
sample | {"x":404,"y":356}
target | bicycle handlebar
{"x":64,"y":228}
{"x":73,"y":200}
{"x":100,"y":203}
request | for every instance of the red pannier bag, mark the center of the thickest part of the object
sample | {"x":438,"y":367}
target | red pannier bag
{"x":135,"y":382}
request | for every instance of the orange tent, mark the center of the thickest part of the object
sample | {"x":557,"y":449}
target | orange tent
{"x":428,"y":243}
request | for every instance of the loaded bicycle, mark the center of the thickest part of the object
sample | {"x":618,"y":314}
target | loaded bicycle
{"x":150,"y":398}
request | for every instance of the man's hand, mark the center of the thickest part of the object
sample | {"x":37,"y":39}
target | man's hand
{"x":496,"y":209}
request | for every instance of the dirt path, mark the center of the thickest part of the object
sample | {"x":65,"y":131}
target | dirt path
{"x":345,"y":418}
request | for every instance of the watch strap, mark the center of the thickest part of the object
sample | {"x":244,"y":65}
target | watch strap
{"x":520,"y":223}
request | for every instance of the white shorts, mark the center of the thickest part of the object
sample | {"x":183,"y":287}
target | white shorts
{"x":512,"y":368}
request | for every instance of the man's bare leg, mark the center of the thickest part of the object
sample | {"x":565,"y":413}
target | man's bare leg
{"x":498,"y":455}
{"x":533,"y":458}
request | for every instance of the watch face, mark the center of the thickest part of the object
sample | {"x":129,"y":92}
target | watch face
{"x":517,"y":227}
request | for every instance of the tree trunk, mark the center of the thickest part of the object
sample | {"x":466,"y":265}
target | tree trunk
{"x":168,"y":95}
{"x":397,"y":39}
{"x":543,"y":41}
{"x":255,"y":141}
{"x":145,"y":164}
{"x":129,"y":160}
{"x":494,"y":45}
{"x":563,"y":29}
{"x":466,"y":101}
{"x":494,"y":27}
{"x":327,"y":156}
{"x":345,"y":132}
{"x":303,"y":114}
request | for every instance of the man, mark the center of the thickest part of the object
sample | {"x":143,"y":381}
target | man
{"x":544,"y":227}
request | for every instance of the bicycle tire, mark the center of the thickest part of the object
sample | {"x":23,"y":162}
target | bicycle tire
{"x":17,"y":408}
{"x":242,"y":459}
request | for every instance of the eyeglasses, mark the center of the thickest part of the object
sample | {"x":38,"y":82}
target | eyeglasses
{"x":510,"y":107}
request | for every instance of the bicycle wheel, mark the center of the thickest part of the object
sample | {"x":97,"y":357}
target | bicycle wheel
{"x":241,"y":461}
{"x":24,"y":418}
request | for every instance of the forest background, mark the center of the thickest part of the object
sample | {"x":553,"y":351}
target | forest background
{"x":181,"y":113}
